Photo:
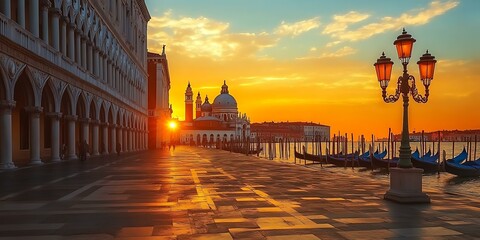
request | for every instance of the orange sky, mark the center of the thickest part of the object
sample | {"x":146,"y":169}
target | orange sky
{"x":336,"y":87}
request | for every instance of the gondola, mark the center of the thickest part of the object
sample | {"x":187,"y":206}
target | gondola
{"x":460,"y":167}
{"x":364,"y":160}
{"x":428,"y":162}
{"x":379,"y":161}
{"x":341,"y":160}
{"x":309,"y":157}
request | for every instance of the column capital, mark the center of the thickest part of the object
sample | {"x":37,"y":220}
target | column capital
{"x":34,"y":109}
{"x":56,"y":11}
{"x":7,"y":105}
{"x":113,"y":125}
{"x":84,"y":120}
{"x":70,"y":117}
{"x":54,"y":115}
{"x":95,"y":121}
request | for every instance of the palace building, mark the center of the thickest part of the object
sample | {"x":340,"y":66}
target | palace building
{"x":71,"y":71}
{"x":214,"y":122}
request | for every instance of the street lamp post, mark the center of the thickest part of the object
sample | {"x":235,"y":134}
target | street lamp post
{"x":405,"y":181}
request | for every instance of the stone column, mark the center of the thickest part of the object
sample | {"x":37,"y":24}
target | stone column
{"x":56,"y":28}
{"x":63,"y":35}
{"x":90,"y":57}
{"x":95,"y":138}
{"x":105,"y":138}
{"x":34,"y":134}
{"x":120,"y":138}
{"x":55,"y":149}
{"x":84,"y":53}
{"x":21,"y":13}
{"x":125,"y":139}
{"x":105,"y":69}
{"x":34,"y":19}
{"x":78,"y":45}
{"x":134,"y":140}
{"x":71,"y":155}
{"x":71,"y":41}
{"x":109,"y":73}
{"x":113,"y":133}
{"x":5,"y":8}
{"x":130,"y":139}
{"x":85,"y":128}
{"x":95,"y":61}
{"x":146,"y":140}
{"x":45,"y":23}
{"x":6,"y":149}
{"x":100,"y":67}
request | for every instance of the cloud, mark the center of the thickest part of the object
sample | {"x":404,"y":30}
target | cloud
{"x":338,"y":29}
{"x":297,"y":28}
{"x":344,"y":51}
{"x":341,"y":22}
{"x":255,"y":80}
{"x":204,"y":37}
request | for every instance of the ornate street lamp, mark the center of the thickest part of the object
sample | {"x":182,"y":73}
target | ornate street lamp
{"x":405,"y":85}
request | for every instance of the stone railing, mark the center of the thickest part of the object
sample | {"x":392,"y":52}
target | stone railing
{"x":11,"y":30}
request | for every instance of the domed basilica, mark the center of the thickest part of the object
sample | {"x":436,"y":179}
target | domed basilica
{"x":215,"y":122}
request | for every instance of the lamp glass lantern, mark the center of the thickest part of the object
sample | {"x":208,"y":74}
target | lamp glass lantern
{"x":404,"y":45}
{"x":383,"y":66}
{"x":426,"y":66}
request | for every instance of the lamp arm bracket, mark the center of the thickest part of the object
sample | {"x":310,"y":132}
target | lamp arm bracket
{"x":414,"y":91}
{"x":396,"y":96}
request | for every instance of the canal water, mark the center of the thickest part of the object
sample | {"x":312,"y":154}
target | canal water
{"x":444,"y":181}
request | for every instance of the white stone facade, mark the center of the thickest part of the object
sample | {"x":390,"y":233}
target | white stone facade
{"x":316,"y":132}
{"x":71,"y":70}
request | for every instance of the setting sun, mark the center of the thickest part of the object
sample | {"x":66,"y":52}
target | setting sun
{"x":172,"y":125}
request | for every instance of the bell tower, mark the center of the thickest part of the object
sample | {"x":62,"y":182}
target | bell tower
{"x":198,"y":104}
{"x":189,"y":104}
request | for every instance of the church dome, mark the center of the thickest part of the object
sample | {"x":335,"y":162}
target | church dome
{"x":225,"y":100}
{"x":206,"y":106}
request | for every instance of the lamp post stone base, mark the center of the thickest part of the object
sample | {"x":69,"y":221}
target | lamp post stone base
{"x":406,"y":186}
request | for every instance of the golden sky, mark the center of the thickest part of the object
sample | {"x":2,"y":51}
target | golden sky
{"x":317,"y":66}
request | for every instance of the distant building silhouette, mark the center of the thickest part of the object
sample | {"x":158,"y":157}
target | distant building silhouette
{"x":214,"y":122}
{"x":299,"y":131}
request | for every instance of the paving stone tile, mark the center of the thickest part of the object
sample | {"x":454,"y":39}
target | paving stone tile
{"x":195,"y":193}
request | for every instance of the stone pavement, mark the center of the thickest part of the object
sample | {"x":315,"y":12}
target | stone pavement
{"x":194,"y":193}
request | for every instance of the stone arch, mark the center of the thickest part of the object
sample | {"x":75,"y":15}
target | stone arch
{"x":24,"y":88}
{"x":82,"y":107}
{"x":66,"y":104}
{"x":48,"y":104}
{"x":23,"y":95}
{"x":67,"y":110}
{"x":82,"y":115}
{"x":93,"y":111}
